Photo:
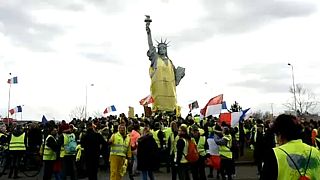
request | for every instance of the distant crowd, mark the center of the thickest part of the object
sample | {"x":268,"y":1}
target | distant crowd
{"x":139,"y":146}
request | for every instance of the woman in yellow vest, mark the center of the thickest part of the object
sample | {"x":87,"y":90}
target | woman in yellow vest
{"x":119,"y":152}
{"x":293,"y":159}
{"x":180,"y":160}
{"x":51,"y":149}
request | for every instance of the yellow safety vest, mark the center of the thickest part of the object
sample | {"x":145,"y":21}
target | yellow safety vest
{"x":155,"y":137}
{"x":200,"y":145}
{"x":17,"y":143}
{"x":167,"y":132}
{"x":120,"y":145}
{"x":317,"y":144}
{"x":48,"y":153}
{"x":225,"y":150}
{"x":185,"y":152}
{"x":65,"y":142}
{"x":174,"y":141}
{"x":299,"y":152}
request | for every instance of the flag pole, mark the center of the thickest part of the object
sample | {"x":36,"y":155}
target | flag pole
{"x":9,"y":99}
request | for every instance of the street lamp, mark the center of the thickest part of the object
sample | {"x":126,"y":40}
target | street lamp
{"x":86,"y":106}
{"x":294,"y":89}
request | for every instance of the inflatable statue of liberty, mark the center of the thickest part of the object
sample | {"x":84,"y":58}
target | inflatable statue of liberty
{"x":164,"y":76}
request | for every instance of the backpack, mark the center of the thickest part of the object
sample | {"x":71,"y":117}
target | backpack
{"x":71,"y":146}
{"x":302,"y":177}
{"x":192,"y":155}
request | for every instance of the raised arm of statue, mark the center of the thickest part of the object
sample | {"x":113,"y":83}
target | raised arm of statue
{"x":148,"y":21}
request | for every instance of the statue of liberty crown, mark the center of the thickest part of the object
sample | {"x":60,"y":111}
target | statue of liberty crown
{"x":165,"y":43}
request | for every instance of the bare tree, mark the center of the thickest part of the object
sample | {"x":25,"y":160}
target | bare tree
{"x":97,"y":114}
{"x":306,"y":100}
{"x":78,"y":112}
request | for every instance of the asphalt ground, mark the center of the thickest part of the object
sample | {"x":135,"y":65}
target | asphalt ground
{"x":243,"y":172}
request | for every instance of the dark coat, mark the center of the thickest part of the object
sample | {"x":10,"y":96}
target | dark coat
{"x":147,"y":154}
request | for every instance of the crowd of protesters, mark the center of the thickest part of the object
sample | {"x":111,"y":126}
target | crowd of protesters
{"x":141,"y":145}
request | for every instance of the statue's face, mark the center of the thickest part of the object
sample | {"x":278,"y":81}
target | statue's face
{"x":162,"y":50}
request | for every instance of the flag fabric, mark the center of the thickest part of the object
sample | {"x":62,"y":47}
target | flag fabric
{"x":147,"y":100}
{"x":15,"y":110}
{"x":193,"y":105}
{"x":224,"y":105}
{"x":213,"y":106}
{"x":109,"y":109}
{"x":44,"y":120}
{"x":233,"y":118}
{"x":13,"y":80}
{"x":244,"y":114}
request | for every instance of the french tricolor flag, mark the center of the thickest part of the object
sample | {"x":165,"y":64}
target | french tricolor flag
{"x":109,"y":109}
{"x":233,"y":118}
{"x":13,"y":80}
{"x":213,"y":106}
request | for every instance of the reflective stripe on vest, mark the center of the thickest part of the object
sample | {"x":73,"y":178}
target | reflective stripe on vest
{"x":299,"y":152}
{"x":120,"y":146}
{"x":155,"y":137}
{"x":225,"y":150}
{"x":185,"y":152}
{"x":48,"y":153}
{"x":17,"y":143}
{"x":200,"y":146}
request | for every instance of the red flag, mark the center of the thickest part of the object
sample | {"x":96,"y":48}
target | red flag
{"x":147,"y":100}
{"x":217,"y":100}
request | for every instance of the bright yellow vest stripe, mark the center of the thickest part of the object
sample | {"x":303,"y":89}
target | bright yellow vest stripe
{"x":120,"y":146}
{"x":17,"y":143}
{"x":200,"y":146}
{"x":225,"y":150}
{"x":48,"y":153}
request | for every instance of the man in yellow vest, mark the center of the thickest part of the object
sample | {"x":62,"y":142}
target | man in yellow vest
{"x":51,"y":149}
{"x":119,"y":152}
{"x":198,"y":168}
{"x":68,"y":153}
{"x":293,"y":159}
{"x":225,"y":153}
{"x":17,"y":148}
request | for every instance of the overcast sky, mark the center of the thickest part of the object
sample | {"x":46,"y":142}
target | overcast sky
{"x":239,"y":48}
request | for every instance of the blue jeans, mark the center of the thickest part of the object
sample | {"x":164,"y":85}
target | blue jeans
{"x":145,"y":175}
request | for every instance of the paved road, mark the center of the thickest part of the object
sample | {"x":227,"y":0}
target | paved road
{"x":243,"y":172}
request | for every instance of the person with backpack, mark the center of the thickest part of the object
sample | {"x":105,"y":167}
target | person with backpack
{"x":180,"y":160}
{"x":293,"y":159}
{"x":68,"y":144}
{"x":198,"y":167}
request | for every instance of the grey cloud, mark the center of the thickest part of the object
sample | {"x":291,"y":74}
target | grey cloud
{"x":271,"y":78}
{"x":23,"y":31}
{"x":264,"y":86}
{"x":248,"y":15}
{"x":102,"y":57}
